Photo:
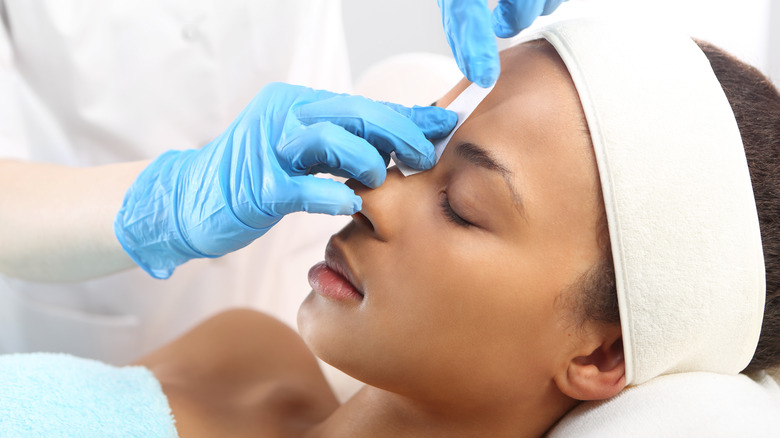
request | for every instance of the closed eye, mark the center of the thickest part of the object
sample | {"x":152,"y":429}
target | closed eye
{"x":450,"y":214}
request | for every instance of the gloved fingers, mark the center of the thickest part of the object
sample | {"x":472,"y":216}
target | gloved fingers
{"x":470,"y":36}
{"x":385,"y":129}
{"x":321,"y":168}
{"x":338,"y":172}
{"x":317,"y":195}
{"x":325,"y":147}
{"x":512,"y":16}
{"x":434,"y":122}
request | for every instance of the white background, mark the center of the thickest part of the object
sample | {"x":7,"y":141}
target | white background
{"x":750,"y":29}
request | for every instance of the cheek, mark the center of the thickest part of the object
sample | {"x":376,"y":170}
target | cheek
{"x":321,"y":324}
{"x":469,"y":311}
{"x":443,"y":305}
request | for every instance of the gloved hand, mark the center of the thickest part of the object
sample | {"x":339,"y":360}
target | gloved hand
{"x":211,"y":201}
{"x":467,"y":24}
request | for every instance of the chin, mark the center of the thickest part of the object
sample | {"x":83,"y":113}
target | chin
{"x":303,"y":314}
{"x":319,"y":329}
{"x":334,"y":337}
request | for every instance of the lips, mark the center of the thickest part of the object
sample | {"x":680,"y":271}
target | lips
{"x":333,"y":278}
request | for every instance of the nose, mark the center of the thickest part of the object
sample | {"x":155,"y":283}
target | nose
{"x":382,"y":211}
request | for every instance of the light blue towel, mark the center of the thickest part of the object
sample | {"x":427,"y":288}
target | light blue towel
{"x":58,"y":395}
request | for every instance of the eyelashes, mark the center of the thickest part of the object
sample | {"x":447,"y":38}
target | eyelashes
{"x":450,"y":214}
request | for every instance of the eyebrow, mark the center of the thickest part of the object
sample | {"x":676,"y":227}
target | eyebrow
{"x":478,"y":156}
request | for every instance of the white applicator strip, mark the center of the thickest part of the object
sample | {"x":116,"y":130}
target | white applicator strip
{"x":463,"y":105}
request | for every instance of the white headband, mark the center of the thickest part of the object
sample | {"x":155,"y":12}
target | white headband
{"x":679,"y":202}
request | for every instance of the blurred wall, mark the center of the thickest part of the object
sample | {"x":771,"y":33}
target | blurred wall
{"x":376,"y":29}
{"x":750,"y":29}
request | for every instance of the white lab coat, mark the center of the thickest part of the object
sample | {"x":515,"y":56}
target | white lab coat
{"x":87,"y":82}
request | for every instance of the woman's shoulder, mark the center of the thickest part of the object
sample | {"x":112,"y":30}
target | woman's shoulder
{"x":241,"y":368}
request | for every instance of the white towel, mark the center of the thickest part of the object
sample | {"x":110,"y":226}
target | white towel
{"x":58,"y":395}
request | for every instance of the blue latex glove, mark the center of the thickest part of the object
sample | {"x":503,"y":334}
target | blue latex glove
{"x":211,"y":201}
{"x":469,"y":30}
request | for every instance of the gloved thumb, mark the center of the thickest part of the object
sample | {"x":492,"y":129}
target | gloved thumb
{"x":318,"y":195}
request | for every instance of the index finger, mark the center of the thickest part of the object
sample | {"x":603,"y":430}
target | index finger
{"x":385,"y":129}
{"x":469,"y":31}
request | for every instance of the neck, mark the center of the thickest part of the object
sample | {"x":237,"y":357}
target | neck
{"x":378,"y":413}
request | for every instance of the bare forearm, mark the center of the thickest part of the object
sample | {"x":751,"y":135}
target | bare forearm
{"x":56,"y":222}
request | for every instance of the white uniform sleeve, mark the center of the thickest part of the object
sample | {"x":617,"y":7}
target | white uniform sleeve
{"x":12,"y":130}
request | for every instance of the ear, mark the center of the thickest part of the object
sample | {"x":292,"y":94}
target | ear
{"x":597,"y":373}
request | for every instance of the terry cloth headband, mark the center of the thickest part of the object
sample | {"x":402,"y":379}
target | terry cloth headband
{"x":682,"y":218}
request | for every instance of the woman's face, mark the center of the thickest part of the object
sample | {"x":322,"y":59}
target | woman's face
{"x":460,"y":268}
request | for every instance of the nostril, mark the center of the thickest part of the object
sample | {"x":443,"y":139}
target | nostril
{"x":361,"y":219}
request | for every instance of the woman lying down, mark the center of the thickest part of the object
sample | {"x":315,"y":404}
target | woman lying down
{"x":589,"y":233}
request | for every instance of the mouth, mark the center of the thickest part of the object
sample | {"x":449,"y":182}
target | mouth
{"x":333,"y":278}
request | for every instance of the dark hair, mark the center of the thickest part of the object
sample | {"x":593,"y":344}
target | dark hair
{"x":756,"y":105}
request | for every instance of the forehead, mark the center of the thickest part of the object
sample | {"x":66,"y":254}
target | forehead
{"x":534,"y":98}
{"x":533,"y":123}
{"x":533,"y":109}
{"x":531,"y":64}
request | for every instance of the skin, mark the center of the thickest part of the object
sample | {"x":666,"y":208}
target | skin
{"x":80,"y":244}
{"x":461,"y":330}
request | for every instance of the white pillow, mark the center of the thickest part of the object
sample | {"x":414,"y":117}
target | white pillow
{"x":681,"y":405}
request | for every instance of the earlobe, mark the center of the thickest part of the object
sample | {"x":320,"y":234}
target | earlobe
{"x":598,"y":375}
